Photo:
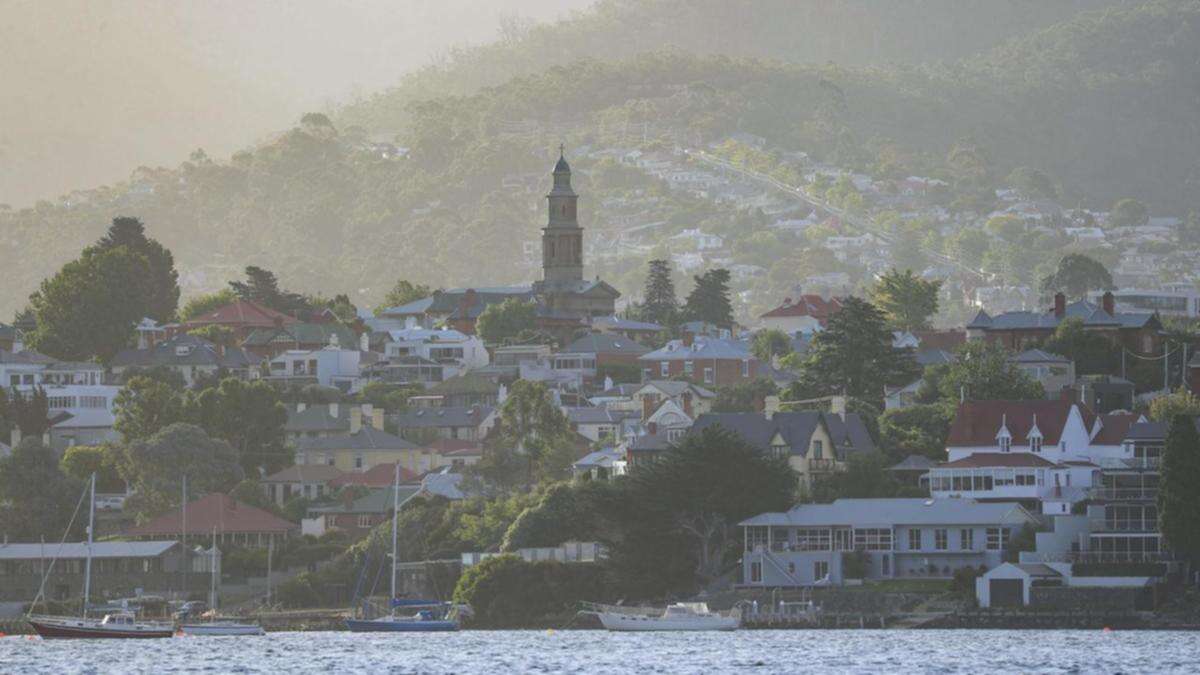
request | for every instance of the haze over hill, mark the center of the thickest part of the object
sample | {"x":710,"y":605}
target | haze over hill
{"x":93,"y":89}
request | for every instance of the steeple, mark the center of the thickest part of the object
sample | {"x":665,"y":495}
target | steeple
{"x":562,"y":238}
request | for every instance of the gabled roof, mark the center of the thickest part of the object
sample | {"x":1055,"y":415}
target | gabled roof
{"x":914,"y":463}
{"x":604,"y":343}
{"x":367,"y":438}
{"x":305,"y":473}
{"x":673,"y":388}
{"x":796,"y":429}
{"x":185,"y":350}
{"x":656,"y":442}
{"x":618,"y":323}
{"x":378,"y":476}
{"x":998,"y":459}
{"x":1115,"y":427}
{"x":317,"y":418}
{"x":378,"y":500}
{"x":303,"y":334}
{"x":977,"y":422}
{"x":899,"y":511}
{"x":701,"y":348}
{"x":26,"y":357}
{"x":243,"y":313}
{"x":467,"y":383}
{"x":806,"y":305}
{"x":456,"y":416}
{"x":1147,"y":431}
{"x":594,"y":415}
{"x":1091,"y":314}
{"x":934,"y":357}
{"x":214,"y":512}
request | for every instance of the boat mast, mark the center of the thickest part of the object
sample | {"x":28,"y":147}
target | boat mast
{"x":187,"y":563}
{"x":87,"y":579}
{"x":270,"y":554}
{"x":395,"y":528}
{"x":212,"y":563}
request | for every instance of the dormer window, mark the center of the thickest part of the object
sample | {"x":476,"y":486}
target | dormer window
{"x":1005,"y":444}
{"x":1035,"y":443}
{"x":779,"y":451}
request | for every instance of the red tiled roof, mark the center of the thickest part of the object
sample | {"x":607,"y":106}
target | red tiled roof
{"x":214,"y":511}
{"x":378,"y":476}
{"x":977,"y":422}
{"x":993,"y":459}
{"x":243,"y":313}
{"x":948,"y":340}
{"x":807,"y":305}
{"x":1114,"y":428}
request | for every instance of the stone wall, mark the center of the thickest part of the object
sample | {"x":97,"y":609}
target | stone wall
{"x":1076,"y":599}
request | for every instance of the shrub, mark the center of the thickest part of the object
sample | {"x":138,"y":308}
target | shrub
{"x":963,"y":582}
{"x":507,"y":592}
{"x":854,"y":565}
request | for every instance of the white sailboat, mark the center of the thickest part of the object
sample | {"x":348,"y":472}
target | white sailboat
{"x":218,"y":626}
{"x":679,"y":616}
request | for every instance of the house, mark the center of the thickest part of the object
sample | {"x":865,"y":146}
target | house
{"x":701,"y":360}
{"x":805,"y":314}
{"x":222,"y":516}
{"x":359,"y":450}
{"x":321,"y":420}
{"x":119,"y":569}
{"x":357,"y":517}
{"x":603,"y":464}
{"x":309,"y":481}
{"x":1139,"y":332}
{"x":270,"y":342}
{"x":465,"y":391}
{"x":327,"y":367}
{"x":822,"y":544}
{"x":638,"y":331}
{"x":425,"y":425}
{"x":691,"y":399}
{"x":453,"y":453}
{"x":589,"y":353}
{"x":813,"y":443}
{"x":190,"y":356}
{"x":241,"y":317}
{"x":378,"y":476}
{"x":1051,"y":371}
{"x":456,"y":350}
{"x":1176,"y":301}
{"x":80,"y":403}
{"x":463,"y":305}
{"x":595,"y":423}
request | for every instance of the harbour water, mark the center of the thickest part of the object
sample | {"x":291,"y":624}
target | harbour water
{"x":499,"y":652}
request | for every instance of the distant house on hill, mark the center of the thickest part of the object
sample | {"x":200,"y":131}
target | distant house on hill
{"x":805,"y":314}
{"x":190,"y":356}
{"x":242,"y":317}
{"x":270,"y":342}
{"x":1138,"y":332}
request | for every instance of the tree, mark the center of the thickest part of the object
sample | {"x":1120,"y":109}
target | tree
{"x":866,"y":476}
{"x":261,"y":286}
{"x":745,"y":396}
{"x":156,"y":467}
{"x":854,"y":357}
{"x":36,"y":499}
{"x":1092,"y":352}
{"x":1178,"y":501}
{"x":982,"y":371}
{"x":1128,"y":212}
{"x":81,"y":461}
{"x":1181,"y":402}
{"x":203,"y":304}
{"x":659,"y":304}
{"x":906,"y":300}
{"x":145,"y":406}
{"x":30,"y":412}
{"x":247,"y":416}
{"x":1032,"y":184}
{"x":1075,"y":275}
{"x":770,"y":343}
{"x":530,"y":424}
{"x":403,"y":293}
{"x":503,"y":321}
{"x":565,"y":512}
{"x":163,"y":282}
{"x":709,"y":299}
{"x":916,"y":430}
{"x":90,"y":307}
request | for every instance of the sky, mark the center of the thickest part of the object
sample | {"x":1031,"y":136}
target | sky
{"x":92,"y":89}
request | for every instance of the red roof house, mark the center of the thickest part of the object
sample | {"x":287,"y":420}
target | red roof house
{"x":230,"y":520}
{"x":240,"y":316}
{"x":805,"y":313}
{"x":378,"y":476}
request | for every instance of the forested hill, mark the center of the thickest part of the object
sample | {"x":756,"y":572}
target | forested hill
{"x":1105,"y":103}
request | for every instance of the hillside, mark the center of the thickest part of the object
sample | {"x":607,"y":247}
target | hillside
{"x":1104,"y":103}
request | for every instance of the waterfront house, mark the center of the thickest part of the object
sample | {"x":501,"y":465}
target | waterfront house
{"x":80,"y":403}
{"x":1056,"y":586}
{"x":222,"y":516}
{"x":825,"y":544}
{"x":119,"y":569}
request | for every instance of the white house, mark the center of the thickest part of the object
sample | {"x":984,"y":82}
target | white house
{"x":80,"y":403}
{"x":328,"y":367}
{"x":443,"y":346}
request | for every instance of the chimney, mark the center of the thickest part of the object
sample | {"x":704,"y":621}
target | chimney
{"x":688,"y":338}
{"x":364,"y":342}
{"x":770,"y":406}
{"x":301,"y":407}
{"x":1108,"y":302}
{"x":837,"y":406}
{"x":1060,"y":305}
{"x":356,"y":415}
{"x":367,"y":411}
{"x":16,"y":436}
{"x":466,"y":303}
{"x":686,"y":399}
{"x":648,"y":406}
{"x":333,"y":410}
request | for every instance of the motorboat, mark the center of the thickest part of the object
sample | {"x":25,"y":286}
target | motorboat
{"x":679,"y":616}
{"x":221,"y":627}
{"x":117,"y":625}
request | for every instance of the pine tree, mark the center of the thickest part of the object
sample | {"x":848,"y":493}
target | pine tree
{"x":660,"y":305}
{"x":709,"y":300}
{"x":163,"y":286}
{"x":1178,"y":500}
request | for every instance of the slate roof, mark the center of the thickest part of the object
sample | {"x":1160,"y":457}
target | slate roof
{"x":618,"y":323}
{"x":73,"y":550}
{"x":1147,"y":431}
{"x":379,"y":500}
{"x":702,"y":348}
{"x":1114,"y":428}
{"x":899,"y":511}
{"x":998,"y":459}
{"x":367,"y":438}
{"x":316,"y":418}
{"x":604,"y":343}
{"x":976,"y":423}
{"x":656,"y":442}
{"x":796,"y":428}
{"x":25,"y":357}
{"x":214,"y":511}
{"x":595,"y":415}
{"x":199,"y":352}
{"x":451,"y":416}
{"x":308,"y":334}
{"x":1092,"y":315}
{"x":914,"y":463}
{"x":934,"y":357}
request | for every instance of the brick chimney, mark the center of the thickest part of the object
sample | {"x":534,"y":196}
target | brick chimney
{"x":466,"y":303}
{"x":1060,"y":305}
{"x":649,"y":403}
{"x":686,"y":399}
{"x":1108,"y":302}
{"x":356,"y":416}
{"x":688,"y":338}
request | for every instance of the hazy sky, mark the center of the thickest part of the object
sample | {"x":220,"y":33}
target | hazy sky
{"x":91,"y":89}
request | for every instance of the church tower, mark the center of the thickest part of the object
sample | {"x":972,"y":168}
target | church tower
{"x":562,"y":238}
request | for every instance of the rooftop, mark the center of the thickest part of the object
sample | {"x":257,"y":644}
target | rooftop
{"x":891,"y":512}
{"x":214,"y":513}
{"x":367,"y":438}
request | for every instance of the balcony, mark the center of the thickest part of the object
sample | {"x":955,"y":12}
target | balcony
{"x":1096,"y":556}
{"x":822,"y":464}
{"x":1124,"y":525}
{"x":1118,"y":494}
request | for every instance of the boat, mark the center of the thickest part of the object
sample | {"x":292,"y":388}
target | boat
{"x":216,"y":625}
{"x":121,"y":624}
{"x":679,"y":616}
{"x":430,"y":615}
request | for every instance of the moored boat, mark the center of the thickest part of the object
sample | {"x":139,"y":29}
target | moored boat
{"x":221,"y":627}
{"x":431,"y":617}
{"x":679,"y":616}
{"x":119,"y":625}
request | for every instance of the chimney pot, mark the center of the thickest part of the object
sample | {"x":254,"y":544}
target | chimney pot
{"x":1109,"y":302}
{"x":688,"y":339}
{"x":1060,"y":305}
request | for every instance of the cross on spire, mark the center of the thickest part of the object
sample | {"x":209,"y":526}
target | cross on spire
{"x":561,"y":150}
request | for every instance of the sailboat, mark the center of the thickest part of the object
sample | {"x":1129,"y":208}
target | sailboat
{"x":216,"y":625}
{"x":115,"y":625}
{"x":429,"y":616}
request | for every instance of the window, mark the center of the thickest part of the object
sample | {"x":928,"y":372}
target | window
{"x":745,"y":369}
{"x":664,"y":368}
{"x":812,"y":539}
{"x":688,"y":368}
{"x":756,"y":572}
{"x":1035,"y":443}
{"x":93,"y":402}
{"x":873,"y":539}
{"x":358,"y":461}
{"x":755,"y":536}
{"x":14,"y":380}
{"x":997,"y":538}
{"x":941,"y":540}
{"x":780,"y":451}
{"x":708,"y":375}
{"x":364,"y":520}
{"x":1005,"y":444}
{"x":966,"y":539}
{"x":820,"y":570}
{"x":914,"y":540}
{"x":818,"y":449}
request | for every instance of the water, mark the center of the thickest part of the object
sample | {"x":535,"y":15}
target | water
{"x":501,"y":652}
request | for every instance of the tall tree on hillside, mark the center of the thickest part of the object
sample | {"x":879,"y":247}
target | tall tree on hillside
{"x":854,"y":357}
{"x":500,"y":322}
{"x":262,"y":286}
{"x":403,"y":293}
{"x":1128,"y":212}
{"x":145,"y":406}
{"x":163,"y":285}
{"x":247,"y":416}
{"x":1032,"y":183}
{"x":30,"y":412}
{"x":89,"y":309}
{"x":36,"y":499}
{"x":709,"y":299}
{"x":981,"y":372}
{"x":660,"y":304}
{"x":1075,"y":276}
{"x":1092,"y":352}
{"x":156,"y":467}
{"x":1178,"y":500}
{"x":906,"y":300}
{"x":532,"y":425}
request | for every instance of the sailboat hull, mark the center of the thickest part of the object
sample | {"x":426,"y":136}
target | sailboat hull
{"x":400,"y":626}
{"x":88,"y":630}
